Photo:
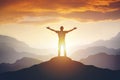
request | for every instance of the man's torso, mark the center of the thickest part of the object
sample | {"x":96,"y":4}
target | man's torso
{"x":61,"y":35}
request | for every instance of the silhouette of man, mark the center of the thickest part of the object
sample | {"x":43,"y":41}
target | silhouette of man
{"x":61,"y":36}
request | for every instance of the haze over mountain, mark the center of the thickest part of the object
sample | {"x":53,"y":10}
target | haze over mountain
{"x":114,"y":42}
{"x":83,"y":53}
{"x":61,"y":68}
{"x":14,"y":43}
{"x":103,"y":60}
{"x":111,"y":47}
{"x":19,"y":64}
{"x":12,"y":49}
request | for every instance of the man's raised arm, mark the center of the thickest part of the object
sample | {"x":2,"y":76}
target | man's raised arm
{"x":51,"y":29}
{"x":71,"y":29}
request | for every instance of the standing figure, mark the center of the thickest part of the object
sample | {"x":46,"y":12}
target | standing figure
{"x":61,"y":36}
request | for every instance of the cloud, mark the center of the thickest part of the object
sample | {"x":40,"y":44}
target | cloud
{"x":15,"y":10}
{"x":94,"y":16}
{"x":39,"y":20}
{"x":115,"y":5}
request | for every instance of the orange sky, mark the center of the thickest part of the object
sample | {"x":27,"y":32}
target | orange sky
{"x":82,"y":10}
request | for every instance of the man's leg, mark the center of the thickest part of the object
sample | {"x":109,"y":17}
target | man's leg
{"x":65,"y":54}
{"x":59,"y":48}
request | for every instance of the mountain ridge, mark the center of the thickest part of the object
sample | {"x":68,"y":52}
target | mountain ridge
{"x":83,"y":53}
{"x":111,"y":47}
{"x":113,"y":42}
{"x":12,"y":49}
{"x":19,"y":64}
{"x":62,"y":68}
{"x":103,"y":60}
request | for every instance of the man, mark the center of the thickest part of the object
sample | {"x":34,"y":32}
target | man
{"x":61,"y":36}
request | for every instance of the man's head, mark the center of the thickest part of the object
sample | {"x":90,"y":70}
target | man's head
{"x":61,"y":28}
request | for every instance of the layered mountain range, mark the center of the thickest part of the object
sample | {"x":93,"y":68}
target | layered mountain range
{"x":61,"y":68}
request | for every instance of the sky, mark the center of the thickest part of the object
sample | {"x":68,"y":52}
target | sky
{"x":26,"y":20}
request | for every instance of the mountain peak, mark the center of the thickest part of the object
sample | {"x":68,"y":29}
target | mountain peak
{"x":118,"y":34}
{"x":61,"y":59}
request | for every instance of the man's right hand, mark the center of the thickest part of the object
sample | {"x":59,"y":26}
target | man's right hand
{"x":75,"y":28}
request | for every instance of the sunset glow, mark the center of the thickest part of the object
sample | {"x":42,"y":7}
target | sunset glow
{"x":26,"y":20}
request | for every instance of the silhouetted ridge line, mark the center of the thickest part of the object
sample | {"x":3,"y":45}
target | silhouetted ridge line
{"x":62,"y":68}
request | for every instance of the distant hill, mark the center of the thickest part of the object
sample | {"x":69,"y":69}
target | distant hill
{"x":19,"y":64}
{"x":112,"y":43}
{"x":103,"y":60}
{"x":61,"y":68}
{"x":111,"y":47}
{"x":12,"y":49}
{"x":10,"y":55}
{"x":13,"y":43}
{"x":17,"y":45}
{"x":83,"y":53}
